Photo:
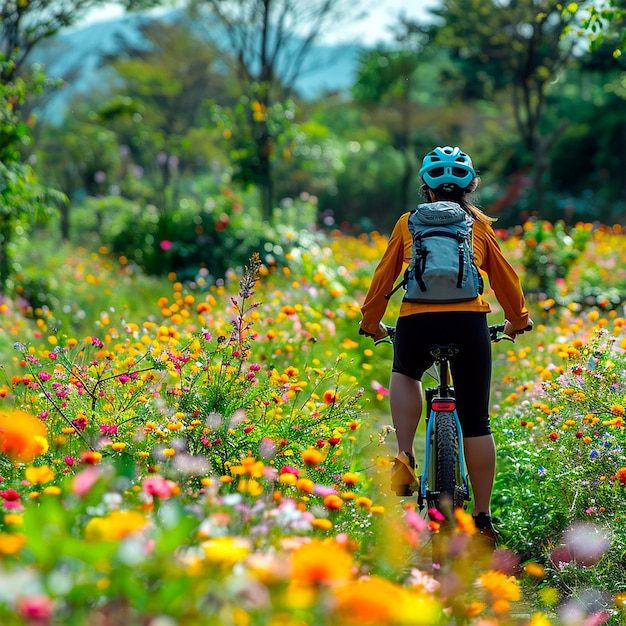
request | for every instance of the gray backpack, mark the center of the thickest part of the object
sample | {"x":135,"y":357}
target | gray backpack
{"x":442,"y":267}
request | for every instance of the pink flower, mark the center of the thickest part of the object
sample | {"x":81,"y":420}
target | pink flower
{"x":415,"y":521}
{"x":35,"y":607}
{"x":165,"y":244}
{"x":158,"y":486}
{"x":85,"y":480}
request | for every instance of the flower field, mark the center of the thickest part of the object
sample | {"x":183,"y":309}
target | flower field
{"x":217,"y":455}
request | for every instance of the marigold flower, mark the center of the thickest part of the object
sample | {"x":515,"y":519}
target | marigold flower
{"x":39,"y":475}
{"x":621,"y":475}
{"x":322,"y":523}
{"x":319,"y":562}
{"x":11,"y":543}
{"x":333,"y":502}
{"x":312,"y":456}
{"x":305,"y":484}
{"x":465,"y":522}
{"x":617,"y":409}
{"x":535,"y":569}
{"x":350,"y":478}
{"x":22,"y":436}
{"x":500,"y":585}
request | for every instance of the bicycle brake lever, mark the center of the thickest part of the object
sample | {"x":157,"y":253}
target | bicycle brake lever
{"x":503,"y":337}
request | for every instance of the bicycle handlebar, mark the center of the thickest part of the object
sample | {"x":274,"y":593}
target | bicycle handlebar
{"x":496,"y":333}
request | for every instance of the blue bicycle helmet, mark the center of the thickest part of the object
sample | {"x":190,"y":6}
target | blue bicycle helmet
{"x":447,"y":165}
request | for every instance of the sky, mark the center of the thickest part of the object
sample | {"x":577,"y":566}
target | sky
{"x":373,"y":28}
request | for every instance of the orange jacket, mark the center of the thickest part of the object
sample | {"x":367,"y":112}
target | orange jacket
{"x":488,"y":257}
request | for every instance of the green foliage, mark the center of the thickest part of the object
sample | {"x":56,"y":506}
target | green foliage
{"x":550,"y":251}
{"x":22,"y":198}
{"x":574,"y":469}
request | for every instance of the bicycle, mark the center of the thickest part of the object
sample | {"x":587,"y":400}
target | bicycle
{"x":444,"y":483}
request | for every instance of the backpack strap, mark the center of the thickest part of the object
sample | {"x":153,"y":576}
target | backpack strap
{"x":460,"y":238}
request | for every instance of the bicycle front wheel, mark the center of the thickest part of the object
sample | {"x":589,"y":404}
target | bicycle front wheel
{"x":449,"y":484}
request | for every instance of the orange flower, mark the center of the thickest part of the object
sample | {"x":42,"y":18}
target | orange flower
{"x":333,"y":501}
{"x":312,"y":456}
{"x":621,"y":475}
{"x":319,"y":562}
{"x":330,"y":397}
{"x":22,"y":436}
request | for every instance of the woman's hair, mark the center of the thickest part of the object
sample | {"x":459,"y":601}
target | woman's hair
{"x":454,"y":193}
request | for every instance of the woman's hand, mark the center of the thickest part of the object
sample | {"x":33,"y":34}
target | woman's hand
{"x":511,"y":332}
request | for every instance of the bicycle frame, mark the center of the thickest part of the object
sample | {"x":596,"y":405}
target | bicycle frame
{"x":445,"y":459}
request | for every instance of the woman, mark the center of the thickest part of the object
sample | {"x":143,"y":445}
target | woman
{"x":448,"y":175}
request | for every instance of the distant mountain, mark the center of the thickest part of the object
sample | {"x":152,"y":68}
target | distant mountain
{"x":76,"y":56}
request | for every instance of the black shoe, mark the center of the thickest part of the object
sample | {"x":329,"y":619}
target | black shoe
{"x":484,"y":528}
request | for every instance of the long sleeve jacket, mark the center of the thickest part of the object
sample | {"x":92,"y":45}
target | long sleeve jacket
{"x":488,"y":257}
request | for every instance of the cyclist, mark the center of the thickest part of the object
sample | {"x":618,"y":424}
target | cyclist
{"x":447,"y":174}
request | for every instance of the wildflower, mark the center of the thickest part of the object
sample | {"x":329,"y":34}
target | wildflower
{"x":226,"y":550}
{"x":22,"y":436}
{"x":116,"y":525}
{"x":35,"y":608}
{"x":465,"y":522}
{"x":322,"y":523}
{"x":159,"y":487}
{"x":319,"y":562}
{"x":39,"y":475}
{"x":621,"y":475}
{"x":501,"y":588}
{"x":312,"y":457}
{"x":333,"y":502}
{"x":535,"y":569}
{"x":11,"y":543}
{"x":350,"y":478}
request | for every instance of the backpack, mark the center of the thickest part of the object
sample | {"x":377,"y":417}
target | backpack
{"x":442,"y":267}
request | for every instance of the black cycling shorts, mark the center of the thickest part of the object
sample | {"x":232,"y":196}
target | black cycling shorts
{"x":470,"y":367}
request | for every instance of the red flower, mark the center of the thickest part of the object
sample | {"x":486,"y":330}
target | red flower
{"x":554,"y":436}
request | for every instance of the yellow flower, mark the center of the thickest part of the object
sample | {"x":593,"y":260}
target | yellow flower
{"x":226,"y":550}
{"x":322,"y":523}
{"x":617,"y":409}
{"x":11,"y":543}
{"x":539,"y":619}
{"x":535,"y":569}
{"x":114,"y":526}
{"x":39,"y":475}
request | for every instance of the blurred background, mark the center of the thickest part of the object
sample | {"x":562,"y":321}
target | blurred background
{"x":181,"y":137}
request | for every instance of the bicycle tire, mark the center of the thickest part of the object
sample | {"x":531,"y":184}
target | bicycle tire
{"x":448,"y":486}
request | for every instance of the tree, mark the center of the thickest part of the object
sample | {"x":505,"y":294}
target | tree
{"x":23,"y":25}
{"x":160,"y":119}
{"x":270,"y":41}
{"x":386,"y":75}
{"x":515,"y":47}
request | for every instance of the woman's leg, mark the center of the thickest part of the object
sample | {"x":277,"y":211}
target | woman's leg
{"x":480,"y":457}
{"x":405,"y":401}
